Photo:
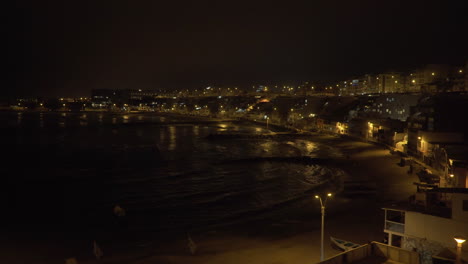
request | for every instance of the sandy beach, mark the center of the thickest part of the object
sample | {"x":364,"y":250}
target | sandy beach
{"x":289,"y":238}
{"x":295,"y":238}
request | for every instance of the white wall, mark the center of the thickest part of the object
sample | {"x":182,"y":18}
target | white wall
{"x":435,"y":228}
{"x":457,"y":207}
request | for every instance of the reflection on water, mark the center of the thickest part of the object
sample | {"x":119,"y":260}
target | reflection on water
{"x":41,"y":120}
{"x":125,"y":119}
{"x":172,"y":138}
{"x":83,"y":120}
{"x":196,"y":130}
{"x":266,"y":147}
{"x":223,"y":127}
{"x":19,"y":118}
{"x":310,"y":146}
{"x":75,"y":119}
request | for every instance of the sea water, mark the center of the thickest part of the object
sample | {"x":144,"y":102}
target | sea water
{"x":67,"y":170}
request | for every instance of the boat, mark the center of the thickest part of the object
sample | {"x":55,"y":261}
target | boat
{"x":343,"y":244}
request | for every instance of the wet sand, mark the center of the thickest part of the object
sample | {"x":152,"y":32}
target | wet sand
{"x":292,"y":236}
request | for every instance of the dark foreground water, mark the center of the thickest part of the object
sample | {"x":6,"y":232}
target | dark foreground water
{"x":68,"y":171}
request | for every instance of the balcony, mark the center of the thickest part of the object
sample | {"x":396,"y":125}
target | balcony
{"x":394,"y":227}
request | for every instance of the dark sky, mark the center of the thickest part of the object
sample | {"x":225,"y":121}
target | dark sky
{"x":66,"y":48}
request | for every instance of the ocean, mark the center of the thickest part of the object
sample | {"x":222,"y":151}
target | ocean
{"x":169,"y":173}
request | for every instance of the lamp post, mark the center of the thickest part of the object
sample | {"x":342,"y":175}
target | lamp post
{"x":460,"y":241}
{"x":322,"y":206}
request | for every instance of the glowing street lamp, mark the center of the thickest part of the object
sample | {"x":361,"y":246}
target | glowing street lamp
{"x":322,"y":206}
{"x":460,"y":241}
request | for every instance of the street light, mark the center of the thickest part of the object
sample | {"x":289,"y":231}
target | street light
{"x":460,"y":241}
{"x":322,"y":206}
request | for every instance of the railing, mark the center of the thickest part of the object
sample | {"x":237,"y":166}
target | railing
{"x":394,"y":227}
{"x":395,"y":253}
{"x":441,"y":260}
{"x":374,"y":253}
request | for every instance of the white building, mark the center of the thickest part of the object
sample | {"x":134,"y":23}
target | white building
{"x":428,"y":227}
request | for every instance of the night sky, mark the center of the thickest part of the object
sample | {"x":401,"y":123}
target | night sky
{"x":67,"y":48}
